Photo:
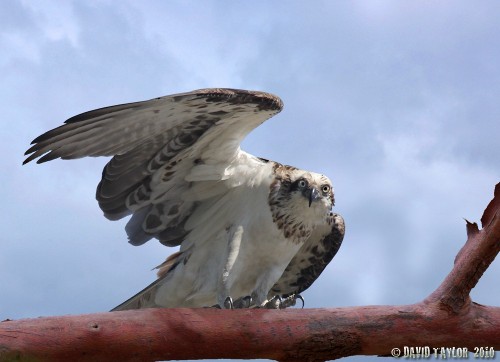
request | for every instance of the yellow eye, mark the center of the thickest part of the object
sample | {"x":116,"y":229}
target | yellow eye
{"x":325,"y":189}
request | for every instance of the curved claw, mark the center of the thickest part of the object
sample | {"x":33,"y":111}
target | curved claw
{"x":228,"y":303}
{"x":291,"y":300}
{"x":298,"y":296}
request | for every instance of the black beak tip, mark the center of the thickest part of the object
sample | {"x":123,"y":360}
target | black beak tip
{"x":313,"y":195}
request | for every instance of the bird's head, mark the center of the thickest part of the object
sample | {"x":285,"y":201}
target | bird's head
{"x":308,"y":196}
{"x":311,"y":190}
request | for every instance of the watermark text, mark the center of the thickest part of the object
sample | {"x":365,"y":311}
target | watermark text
{"x":425,"y":352}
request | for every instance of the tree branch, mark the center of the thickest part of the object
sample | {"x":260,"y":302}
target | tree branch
{"x":446,"y":318}
{"x":479,"y":251}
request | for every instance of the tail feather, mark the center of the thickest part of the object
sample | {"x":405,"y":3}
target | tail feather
{"x":146,"y":297}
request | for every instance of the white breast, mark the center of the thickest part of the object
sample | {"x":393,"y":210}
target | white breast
{"x":261,"y":256}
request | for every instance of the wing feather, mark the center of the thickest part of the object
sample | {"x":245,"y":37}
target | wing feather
{"x":311,"y":259}
{"x":161,"y":148}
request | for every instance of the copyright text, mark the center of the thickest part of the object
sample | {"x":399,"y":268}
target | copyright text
{"x":443,"y":352}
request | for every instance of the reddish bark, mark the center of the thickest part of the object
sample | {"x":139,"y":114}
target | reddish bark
{"x":447,"y":318}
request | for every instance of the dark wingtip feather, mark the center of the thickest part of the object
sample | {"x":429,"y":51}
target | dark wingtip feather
{"x":96,"y":113}
{"x":30,"y":150}
{"x":33,"y":153}
{"x":31,"y":158}
{"x":48,"y":157}
{"x":47,"y":135}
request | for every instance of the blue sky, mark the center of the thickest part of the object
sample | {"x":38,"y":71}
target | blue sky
{"x":397,"y":102}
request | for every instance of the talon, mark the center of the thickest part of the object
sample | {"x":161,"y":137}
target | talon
{"x":244,"y":302}
{"x":291,"y":300}
{"x":274,"y":303}
{"x":228,"y":303}
{"x":298,"y":296}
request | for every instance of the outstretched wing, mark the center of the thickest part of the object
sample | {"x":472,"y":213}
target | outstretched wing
{"x":170,"y":154}
{"x":311,"y":259}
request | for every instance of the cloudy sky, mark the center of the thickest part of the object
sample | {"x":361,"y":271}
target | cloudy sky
{"x":397,"y":102}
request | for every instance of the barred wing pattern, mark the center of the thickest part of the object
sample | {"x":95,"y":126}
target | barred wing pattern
{"x":160,"y":148}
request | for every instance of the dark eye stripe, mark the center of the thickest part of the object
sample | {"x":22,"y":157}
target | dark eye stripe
{"x":298,"y":184}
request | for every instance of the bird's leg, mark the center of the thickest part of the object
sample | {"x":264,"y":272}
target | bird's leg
{"x":234,"y":236}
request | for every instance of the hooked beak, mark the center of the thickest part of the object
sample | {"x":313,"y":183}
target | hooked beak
{"x":313,"y":195}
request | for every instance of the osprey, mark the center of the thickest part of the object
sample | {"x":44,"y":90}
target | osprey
{"x":252,"y":232}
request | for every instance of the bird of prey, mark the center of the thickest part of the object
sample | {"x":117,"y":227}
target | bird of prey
{"x":252,"y":232}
